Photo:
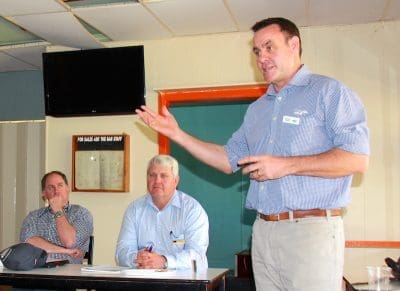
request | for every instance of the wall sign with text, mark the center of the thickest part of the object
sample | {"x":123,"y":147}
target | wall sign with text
{"x":100,"y":163}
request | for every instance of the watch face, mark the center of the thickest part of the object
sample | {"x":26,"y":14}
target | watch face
{"x":59,"y":214}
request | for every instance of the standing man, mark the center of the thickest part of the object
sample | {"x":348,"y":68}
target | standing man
{"x":63,"y":230}
{"x":301,"y":142}
{"x":166,"y":228}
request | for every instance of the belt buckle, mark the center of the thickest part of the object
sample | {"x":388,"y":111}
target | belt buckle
{"x":274,"y":217}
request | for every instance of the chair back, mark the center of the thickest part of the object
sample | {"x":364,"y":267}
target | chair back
{"x":89,"y":254}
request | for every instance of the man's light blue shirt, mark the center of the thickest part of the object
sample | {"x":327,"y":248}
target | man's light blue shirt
{"x":179,"y":231}
{"x":310,"y":115}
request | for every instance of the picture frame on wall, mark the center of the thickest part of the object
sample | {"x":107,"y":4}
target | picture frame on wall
{"x":100,"y":163}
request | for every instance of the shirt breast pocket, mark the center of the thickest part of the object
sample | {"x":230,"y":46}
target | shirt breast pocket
{"x":306,"y":137}
{"x":178,"y":241}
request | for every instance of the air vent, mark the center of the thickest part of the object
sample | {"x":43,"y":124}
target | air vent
{"x":96,"y":2}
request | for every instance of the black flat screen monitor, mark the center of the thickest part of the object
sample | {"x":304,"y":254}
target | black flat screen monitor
{"x":94,"y":82}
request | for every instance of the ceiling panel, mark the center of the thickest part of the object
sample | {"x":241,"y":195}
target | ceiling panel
{"x":189,"y":17}
{"x":12,"y":34}
{"x":246,"y":15}
{"x":327,"y":12}
{"x":10,"y":63}
{"x":60,"y":28}
{"x":393,"y":10}
{"x":123,"y":22}
{"x":22,"y":7}
{"x":30,"y":55}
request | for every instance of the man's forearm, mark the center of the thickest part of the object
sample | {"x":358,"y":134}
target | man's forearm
{"x":331,"y":164}
{"x":45,"y":245}
{"x":211,"y":154}
{"x":66,"y":232}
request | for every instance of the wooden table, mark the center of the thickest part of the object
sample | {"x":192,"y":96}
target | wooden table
{"x":393,"y":286}
{"x":71,"y":276}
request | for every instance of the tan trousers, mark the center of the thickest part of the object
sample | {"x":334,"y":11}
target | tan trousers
{"x":298,"y":255}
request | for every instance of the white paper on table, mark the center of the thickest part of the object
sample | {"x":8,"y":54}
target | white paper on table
{"x":150,"y":272}
{"x":104,"y":269}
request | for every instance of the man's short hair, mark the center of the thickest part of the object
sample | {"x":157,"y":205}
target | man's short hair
{"x":61,"y":174}
{"x":166,"y":161}
{"x":286,"y":26}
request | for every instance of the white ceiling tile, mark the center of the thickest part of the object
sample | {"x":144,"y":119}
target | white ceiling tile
{"x":328,"y":12}
{"x":31,"y":55}
{"x":9,"y":63}
{"x":189,"y":17}
{"x":247,"y":14}
{"x":392,"y":11}
{"x":59,"y":28}
{"x":21,"y":7}
{"x":123,"y":22}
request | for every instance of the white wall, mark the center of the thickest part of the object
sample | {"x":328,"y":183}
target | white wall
{"x":365,"y":57}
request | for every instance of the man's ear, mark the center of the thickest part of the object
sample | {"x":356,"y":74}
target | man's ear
{"x":177,"y":180}
{"x":46,"y":201}
{"x":294,"y":43}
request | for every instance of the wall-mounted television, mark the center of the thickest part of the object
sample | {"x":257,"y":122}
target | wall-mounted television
{"x":94,"y":82}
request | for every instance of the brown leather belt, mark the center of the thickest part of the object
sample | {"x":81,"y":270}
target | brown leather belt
{"x":301,"y":214}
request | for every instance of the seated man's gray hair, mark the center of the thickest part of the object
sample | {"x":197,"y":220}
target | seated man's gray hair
{"x":166,"y":161}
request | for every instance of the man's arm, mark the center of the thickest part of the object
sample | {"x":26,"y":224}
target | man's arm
{"x":127,"y":249}
{"x":331,"y":164}
{"x":53,"y":248}
{"x":65,"y":230}
{"x":82,"y":221}
{"x":209,"y":153}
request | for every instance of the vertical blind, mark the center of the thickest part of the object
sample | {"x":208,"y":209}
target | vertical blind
{"x":22,"y":162}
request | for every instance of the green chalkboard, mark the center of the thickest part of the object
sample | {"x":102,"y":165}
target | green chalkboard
{"x":222,"y":196}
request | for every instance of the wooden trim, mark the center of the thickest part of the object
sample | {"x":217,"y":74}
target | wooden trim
{"x":372,"y":244}
{"x":208,"y":94}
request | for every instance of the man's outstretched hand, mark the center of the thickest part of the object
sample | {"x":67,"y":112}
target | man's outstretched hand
{"x":164,"y":123}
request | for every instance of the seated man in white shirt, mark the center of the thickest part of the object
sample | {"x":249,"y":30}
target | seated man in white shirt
{"x":165,"y":228}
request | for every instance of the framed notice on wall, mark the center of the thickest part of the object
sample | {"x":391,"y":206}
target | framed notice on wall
{"x":100,"y":163}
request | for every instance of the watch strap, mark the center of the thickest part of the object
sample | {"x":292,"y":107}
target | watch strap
{"x":166,"y":262}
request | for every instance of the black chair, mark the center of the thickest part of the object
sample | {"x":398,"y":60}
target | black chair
{"x":348,"y":286}
{"x":89,"y":254}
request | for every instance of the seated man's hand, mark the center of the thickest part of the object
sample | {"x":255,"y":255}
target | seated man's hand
{"x":77,"y":253}
{"x":149,"y":260}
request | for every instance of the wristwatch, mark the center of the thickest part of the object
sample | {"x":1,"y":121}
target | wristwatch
{"x":59,"y":213}
{"x":165,"y":263}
